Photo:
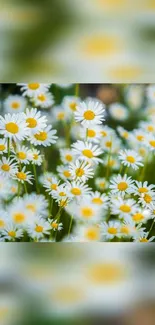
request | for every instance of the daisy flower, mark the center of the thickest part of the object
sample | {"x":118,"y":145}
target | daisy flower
{"x":106,"y":131}
{"x":54,"y":225}
{"x":67,"y":156}
{"x":35,"y":157}
{"x":142,"y":188}
{"x":150,"y":142}
{"x":38,"y":228}
{"x":118,"y":112}
{"x":101,"y":183}
{"x":51,"y":183}
{"x":101,"y":200}
{"x":130,"y":158}
{"x":85,"y":211}
{"x":64,"y":172}
{"x":87,"y":151}
{"x":70,"y":103}
{"x":77,"y":189}
{"x":138,"y":136}
{"x":5,"y":187}
{"x":23,"y":176}
{"x":11,"y":232}
{"x":130,"y":229}
{"x":59,"y":114}
{"x":121,"y":184}
{"x":112,"y":162}
{"x":111,"y":143}
{"x":123,"y":133}
{"x":35,"y":204}
{"x":110,"y":230}
{"x":8,"y":167}
{"x":151,"y":93}
{"x":47,"y":176}
{"x":46,"y":137}
{"x":22,"y":154}
{"x":81,"y":170}
{"x":147,"y":199}
{"x":148,"y":127}
{"x":3,"y":146}
{"x":90,"y":113}
{"x":17,"y":214}
{"x":122,"y":207}
{"x":32,"y":89}
{"x":141,"y":216}
{"x":144,"y":239}
{"x":89,"y":233}
{"x":14,"y":104}
{"x":43,"y":100}
{"x":61,"y":193}
{"x":13,"y":126}
{"x":3,"y":219}
{"x":35,"y":122}
{"x":93,"y":133}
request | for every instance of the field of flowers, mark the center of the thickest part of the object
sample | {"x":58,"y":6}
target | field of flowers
{"x":76,"y":168}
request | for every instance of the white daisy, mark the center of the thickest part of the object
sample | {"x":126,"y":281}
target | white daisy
{"x":17,"y":214}
{"x":14,"y":104}
{"x":101,"y":183}
{"x":150,"y":141}
{"x":122,"y":207}
{"x":59,"y":114}
{"x":3,"y":146}
{"x":130,"y":158}
{"x":47,"y":176}
{"x":60,"y":194}
{"x":70,"y":103}
{"x":88,"y":233}
{"x":141,"y":215}
{"x":64,"y":172}
{"x":55,"y":225}
{"x":35,"y":157}
{"x":11,"y":232}
{"x":3,"y":219}
{"x":13,"y":126}
{"x":148,"y":127}
{"x":38,"y":228}
{"x":121,"y":184}
{"x":123,"y":133}
{"x":118,"y":112}
{"x":111,"y":143}
{"x":112,"y":162}
{"x":81,"y":170}
{"x":67,"y":156}
{"x":35,"y":122}
{"x":90,"y":113}
{"x":32,"y":89}
{"x":8,"y":167}
{"x":101,"y":200}
{"x":77,"y":189}
{"x":142,"y":188}
{"x":51,"y":183}
{"x":23,"y":176}
{"x":93,"y":133}
{"x":46,"y":137}
{"x":147,"y":199}
{"x":144,"y":238}
{"x":134,"y":95}
{"x":110,"y":230}
{"x":130,"y":229}
{"x":22,"y":154}
{"x":5,"y":188}
{"x":35,"y":204}
{"x":106,"y":131}
{"x":85,"y":211}
{"x":87,"y":151}
{"x":43,"y":100}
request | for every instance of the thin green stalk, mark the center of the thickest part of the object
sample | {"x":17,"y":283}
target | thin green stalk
{"x":25,"y":187}
{"x":86,"y":134}
{"x":50,"y":205}
{"x":18,"y":189}
{"x":151,"y":228}
{"x":108,"y":162}
{"x":70,"y":225}
{"x":36,"y":179}
{"x":8,"y":147}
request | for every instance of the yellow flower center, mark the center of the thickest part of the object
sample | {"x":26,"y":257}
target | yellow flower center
{"x":147,"y":198}
{"x":130,"y":159}
{"x":19,"y":217}
{"x":5,"y":167}
{"x":79,"y":172}
{"x":89,"y":115}
{"x":76,"y":191}
{"x":150,"y":128}
{"x":63,"y":203}
{"x":21,"y":176}
{"x":87,"y":212}
{"x":140,"y":137}
{"x":97,"y":200}
{"x":102,"y":273}
{"x":108,"y":144}
{"x":142,"y":190}
{"x":88,"y":153}
{"x":143,"y":240}
{"x":41,"y":136}
{"x":142,"y":151}
{"x":62,"y":194}
{"x":12,"y":233}
{"x":103,"y":133}
{"x":66,"y":173}
{"x":54,"y":187}
{"x":98,"y":45}
{"x":2,"y":223}
{"x":35,"y":156}
{"x":61,"y":116}
{"x":54,"y":225}
{"x":122,"y":186}
{"x":112,"y":230}
{"x":73,"y":106}
{"x":91,"y":133}
{"x":15,"y":105}
{"x":31,"y":207}
{"x":102,"y":184}
{"x":92,"y":233}
{"x":33,"y":86}
{"x":125,"y":135}
{"x":42,"y":97}
{"x":39,"y":228}
{"x":21,"y":155}
{"x":68,"y":157}
{"x":2,"y":147}
{"x":152,"y":143}
{"x":32,"y":123}
{"x":12,"y":127}
{"x":138,"y":217}
{"x":125,"y":208}
{"x":125,"y":230}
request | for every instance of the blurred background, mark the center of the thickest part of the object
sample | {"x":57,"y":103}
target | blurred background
{"x":70,"y":41}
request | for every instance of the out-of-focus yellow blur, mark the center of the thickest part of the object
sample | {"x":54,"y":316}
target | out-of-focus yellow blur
{"x":77,"y":41}
{"x":40,"y":284}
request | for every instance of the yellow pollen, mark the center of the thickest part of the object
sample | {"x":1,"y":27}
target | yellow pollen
{"x":79,"y":172}
{"x":66,"y":173}
{"x":130,"y":159}
{"x":97,"y":200}
{"x":87,"y":212}
{"x":125,"y":135}
{"x":54,"y":225}
{"x":62,"y":194}
{"x":92,"y":233}
{"x":12,"y":233}
{"x":142,"y":190}
{"x":91,"y":133}
{"x":68,"y":157}
{"x":21,"y":155}
{"x":112,"y":231}
{"x":76,"y":191}
{"x":147,"y":198}
{"x":2,"y":223}
{"x":138,"y":217}
{"x":2,"y":147}
{"x":89,"y":115}
{"x":33,"y":86}
{"x":111,"y":163}
{"x":63,"y":203}
{"x":150,"y":128}
{"x":125,"y":230}
{"x":60,"y":115}
{"x":88,"y":153}
{"x":42,"y":97}
{"x":15,"y":105}
{"x":12,"y":127}
{"x":122,"y":186}
{"x":54,"y":187}
{"x":103,"y":133}
{"x":152,"y":143}
{"x":32,"y":123}
{"x":31,"y":207}
{"x":39,"y":228}
{"x":73,"y":106}
{"x":140,"y":137}
{"x":41,"y":136}
{"x":125,"y":208}
{"x":21,"y":176}
{"x":5,"y":167}
{"x":19,"y":217}
{"x":108,"y":144}
{"x":143,"y":240}
{"x":102,"y":184}
{"x":35,"y":156}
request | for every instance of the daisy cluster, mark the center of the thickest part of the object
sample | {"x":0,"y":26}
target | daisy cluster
{"x":97,"y":191}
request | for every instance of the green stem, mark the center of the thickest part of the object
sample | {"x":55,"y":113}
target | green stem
{"x":108,"y":162}
{"x":77,"y":88}
{"x":8,"y":147}
{"x":50,"y":205}
{"x":25,"y":187}
{"x":36,"y":179}
{"x":18,"y":189}
{"x":70,"y":225}
{"x":151,"y":228}
{"x":86,"y":134}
